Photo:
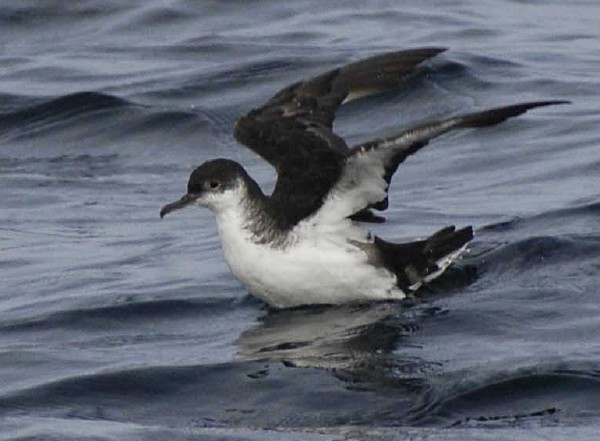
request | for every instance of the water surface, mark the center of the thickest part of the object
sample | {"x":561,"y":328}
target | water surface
{"x":117,"y":325}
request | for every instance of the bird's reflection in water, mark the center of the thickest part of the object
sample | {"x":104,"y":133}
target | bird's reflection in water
{"x":354,"y":341}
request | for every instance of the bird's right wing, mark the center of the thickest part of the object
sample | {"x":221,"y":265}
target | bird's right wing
{"x":369,"y":168}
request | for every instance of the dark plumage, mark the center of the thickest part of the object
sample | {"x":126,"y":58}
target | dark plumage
{"x":216,"y":174}
{"x":308,"y":226}
{"x":293,"y":130}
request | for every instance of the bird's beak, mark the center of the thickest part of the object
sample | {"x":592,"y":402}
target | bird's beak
{"x":186,"y":200}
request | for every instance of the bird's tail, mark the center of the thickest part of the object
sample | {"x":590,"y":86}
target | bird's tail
{"x":416,"y":263}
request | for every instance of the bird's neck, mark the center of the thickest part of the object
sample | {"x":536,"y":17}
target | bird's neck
{"x":253,"y":218}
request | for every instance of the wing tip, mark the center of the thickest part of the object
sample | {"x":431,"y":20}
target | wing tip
{"x":418,"y":55}
{"x":433,"y":50}
{"x":500,"y":114}
{"x":437,"y":50}
{"x":534,"y":104}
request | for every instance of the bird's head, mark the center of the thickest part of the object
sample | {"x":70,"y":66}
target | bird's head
{"x":218,"y":185}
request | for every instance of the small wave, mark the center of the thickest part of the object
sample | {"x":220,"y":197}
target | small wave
{"x":103,"y":119}
{"x":538,"y":251}
{"x":529,"y":397}
{"x":130,"y":385}
{"x":162,"y":121}
{"x":209,"y":395}
{"x":501,"y":226}
{"x":62,"y":107}
{"x":124,"y":313}
{"x":148,"y":18}
{"x":591,"y":208}
{"x":584,"y":209}
{"x":34,"y":16}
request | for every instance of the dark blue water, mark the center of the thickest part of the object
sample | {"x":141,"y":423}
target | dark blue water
{"x":116,"y":325}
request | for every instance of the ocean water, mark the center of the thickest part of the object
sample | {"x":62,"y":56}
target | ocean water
{"x":116,"y":325}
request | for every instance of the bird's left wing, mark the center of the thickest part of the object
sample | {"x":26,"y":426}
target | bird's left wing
{"x":368,"y":169}
{"x":293,"y":130}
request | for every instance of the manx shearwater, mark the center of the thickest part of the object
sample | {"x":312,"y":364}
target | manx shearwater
{"x":306,"y":243}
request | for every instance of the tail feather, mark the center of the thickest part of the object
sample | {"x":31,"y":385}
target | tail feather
{"x":446,"y":241}
{"x":416,"y":263}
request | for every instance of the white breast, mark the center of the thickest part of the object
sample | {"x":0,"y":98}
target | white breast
{"x":317,"y":267}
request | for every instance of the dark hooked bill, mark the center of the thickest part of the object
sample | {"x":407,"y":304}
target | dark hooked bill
{"x":186,"y":200}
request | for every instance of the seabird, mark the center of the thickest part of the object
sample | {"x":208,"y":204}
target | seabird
{"x":306,"y":243}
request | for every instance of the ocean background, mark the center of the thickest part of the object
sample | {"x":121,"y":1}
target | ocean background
{"x":116,"y":325}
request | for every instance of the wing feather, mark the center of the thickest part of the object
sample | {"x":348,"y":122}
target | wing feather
{"x":293,"y":130}
{"x":369,"y":167}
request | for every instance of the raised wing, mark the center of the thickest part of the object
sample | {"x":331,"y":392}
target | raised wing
{"x":293,"y":130}
{"x":369,"y":167}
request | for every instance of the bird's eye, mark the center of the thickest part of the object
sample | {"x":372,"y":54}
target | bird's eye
{"x":214,"y":184}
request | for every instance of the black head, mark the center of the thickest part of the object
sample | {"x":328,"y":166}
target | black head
{"x":209,"y":184}
{"x":218,"y":174}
